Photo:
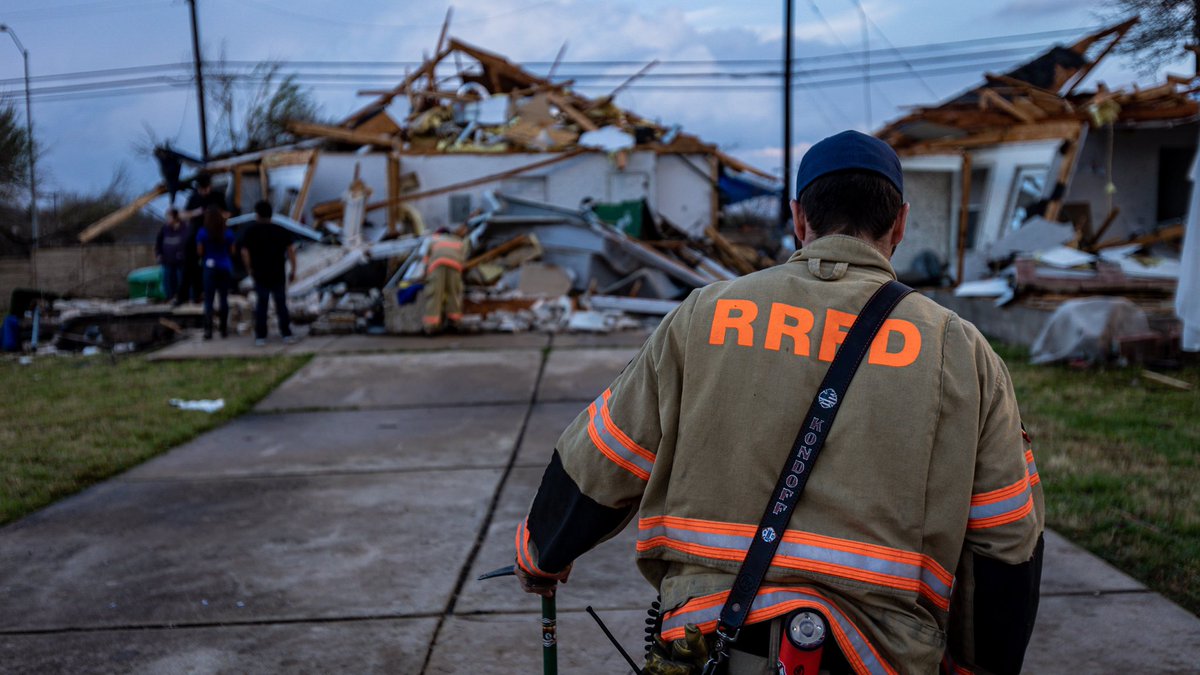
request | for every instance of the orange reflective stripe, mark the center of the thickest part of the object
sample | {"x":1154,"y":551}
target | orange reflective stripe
{"x":1031,"y":468}
{"x":445,"y":262}
{"x":1001,"y":494}
{"x":858,"y":561}
{"x":604,"y":435}
{"x":524,"y":557}
{"x":774,"y":601}
{"x":1003,"y":506}
{"x":452,"y":245}
{"x":621,"y":437}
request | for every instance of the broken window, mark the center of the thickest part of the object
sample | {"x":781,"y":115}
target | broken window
{"x":1028,"y":188}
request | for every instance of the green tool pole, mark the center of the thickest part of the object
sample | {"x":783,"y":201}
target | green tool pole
{"x":549,"y":637}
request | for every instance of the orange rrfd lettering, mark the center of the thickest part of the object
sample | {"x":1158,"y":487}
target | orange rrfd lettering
{"x":834,"y":333}
{"x":778,"y":326}
{"x":909,"y":349}
{"x":723,"y":320}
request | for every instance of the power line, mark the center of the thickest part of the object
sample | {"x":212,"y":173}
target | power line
{"x":181,"y":69}
{"x":262,"y":5}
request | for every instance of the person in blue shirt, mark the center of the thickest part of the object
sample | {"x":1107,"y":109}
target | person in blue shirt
{"x":214,"y":247}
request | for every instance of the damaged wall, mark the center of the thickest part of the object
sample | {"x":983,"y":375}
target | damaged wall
{"x":681,"y":194}
{"x":1137,"y":153}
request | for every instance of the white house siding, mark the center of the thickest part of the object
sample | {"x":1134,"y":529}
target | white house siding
{"x":679,"y":193}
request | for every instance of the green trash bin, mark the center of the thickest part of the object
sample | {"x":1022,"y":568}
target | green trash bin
{"x":146,"y":282}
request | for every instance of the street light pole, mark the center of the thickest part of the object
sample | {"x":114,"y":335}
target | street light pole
{"x":33,"y":207}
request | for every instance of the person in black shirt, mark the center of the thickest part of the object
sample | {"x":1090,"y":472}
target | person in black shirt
{"x":202,"y":197}
{"x":266,"y":248}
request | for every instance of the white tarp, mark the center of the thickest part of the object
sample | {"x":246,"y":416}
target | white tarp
{"x":1187,"y":297}
{"x":1087,"y":328}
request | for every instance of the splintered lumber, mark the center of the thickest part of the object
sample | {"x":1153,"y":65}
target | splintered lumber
{"x":501,"y":250}
{"x":964,"y":208}
{"x":730,"y":253}
{"x":1169,"y":233}
{"x":344,"y":135}
{"x":739,"y":165}
{"x":1039,"y":131}
{"x":1166,"y":380}
{"x":302,"y":197}
{"x":1108,"y":221}
{"x":572,"y":112}
{"x":393,"y":190}
{"x":120,"y":215}
{"x":991,"y":98}
{"x":1065,"y":167}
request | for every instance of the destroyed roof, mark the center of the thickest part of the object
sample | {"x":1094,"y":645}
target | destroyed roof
{"x":1038,"y":100}
{"x":468,"y":100}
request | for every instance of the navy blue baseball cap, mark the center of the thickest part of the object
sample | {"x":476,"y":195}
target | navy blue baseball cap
{"x":849,"y":151}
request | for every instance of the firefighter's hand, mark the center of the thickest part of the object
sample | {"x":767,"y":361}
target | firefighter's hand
{"x":543,"y":586}
{"x":685,"y":656}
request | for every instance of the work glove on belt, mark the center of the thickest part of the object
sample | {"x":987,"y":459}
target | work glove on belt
{"x":685,"y":656}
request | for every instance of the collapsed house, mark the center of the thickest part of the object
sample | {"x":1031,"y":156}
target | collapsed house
{"x":1028,"y":186}
{"x":476,"y":135}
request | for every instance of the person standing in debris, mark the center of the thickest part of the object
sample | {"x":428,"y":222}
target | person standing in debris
{"x":443,"y":281}
{"x":266,"y":249}
{"x":918,"y":538}
{"x":202,"y":197}
{"x":214,"y":247}
{"x":170,"y":248}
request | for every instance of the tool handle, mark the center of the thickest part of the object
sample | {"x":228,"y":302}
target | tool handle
{"x":549,"y":636}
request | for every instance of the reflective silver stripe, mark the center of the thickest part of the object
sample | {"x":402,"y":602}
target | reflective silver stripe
{"x":1001,"y":507}
{"x":808,"y":552}
{"x":610,"y":440}
{"x":777,"y":596}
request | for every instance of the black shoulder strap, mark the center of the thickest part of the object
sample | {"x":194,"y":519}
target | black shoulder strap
{"x":799,"y":465}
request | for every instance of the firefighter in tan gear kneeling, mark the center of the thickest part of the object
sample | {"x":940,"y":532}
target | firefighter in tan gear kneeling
{"x":918,"y":538}
{"x":443,"y":294}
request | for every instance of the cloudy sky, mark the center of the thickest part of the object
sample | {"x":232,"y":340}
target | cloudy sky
{"x":89,"y":134}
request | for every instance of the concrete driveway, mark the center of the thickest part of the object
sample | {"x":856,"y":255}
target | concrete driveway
{"x":341,"y":526}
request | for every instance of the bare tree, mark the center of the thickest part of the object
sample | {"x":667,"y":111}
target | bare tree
{"x":15,"y":147}
{"x":1165,"y":29}
{"x":258,"y":120}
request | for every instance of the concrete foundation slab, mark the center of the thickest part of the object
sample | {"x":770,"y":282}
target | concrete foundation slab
{"x":171,"y":553}
{"x":502,"y":644}
{"x":409,"y":379}
{"x":605,"y":577}
{"x":546,"y":424}
{"x":1014,"y":324}
{"x":627,"y":338}
{"x":1070,"y":569}
{"x":1113,"y":633}
{"x":581,"y":374}
{"x":347,"y":344}
{"x":387,"y":646}
{"x":345,"y":441}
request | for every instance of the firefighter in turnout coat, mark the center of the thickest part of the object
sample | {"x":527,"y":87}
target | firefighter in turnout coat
{"x":443,"y":281}
{"x":919,"y":536}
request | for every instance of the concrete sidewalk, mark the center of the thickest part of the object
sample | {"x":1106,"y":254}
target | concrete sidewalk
{"x":341,"y":526}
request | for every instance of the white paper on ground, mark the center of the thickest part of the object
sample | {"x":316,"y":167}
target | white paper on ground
{"x":203,"y":405}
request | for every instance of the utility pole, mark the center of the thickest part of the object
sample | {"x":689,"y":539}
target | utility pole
{"x":866,"y":39}
{"x":33,"y":205}
{"x":1196,"y":33}
{"x":199,"y":82}
{"x":785,"y":209}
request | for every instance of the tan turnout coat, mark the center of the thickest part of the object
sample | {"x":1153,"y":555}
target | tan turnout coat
{"x":926,"y":463}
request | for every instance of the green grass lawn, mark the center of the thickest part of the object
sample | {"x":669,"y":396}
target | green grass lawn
{"x":71,"y":422}
{"x":1118,"y":460}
